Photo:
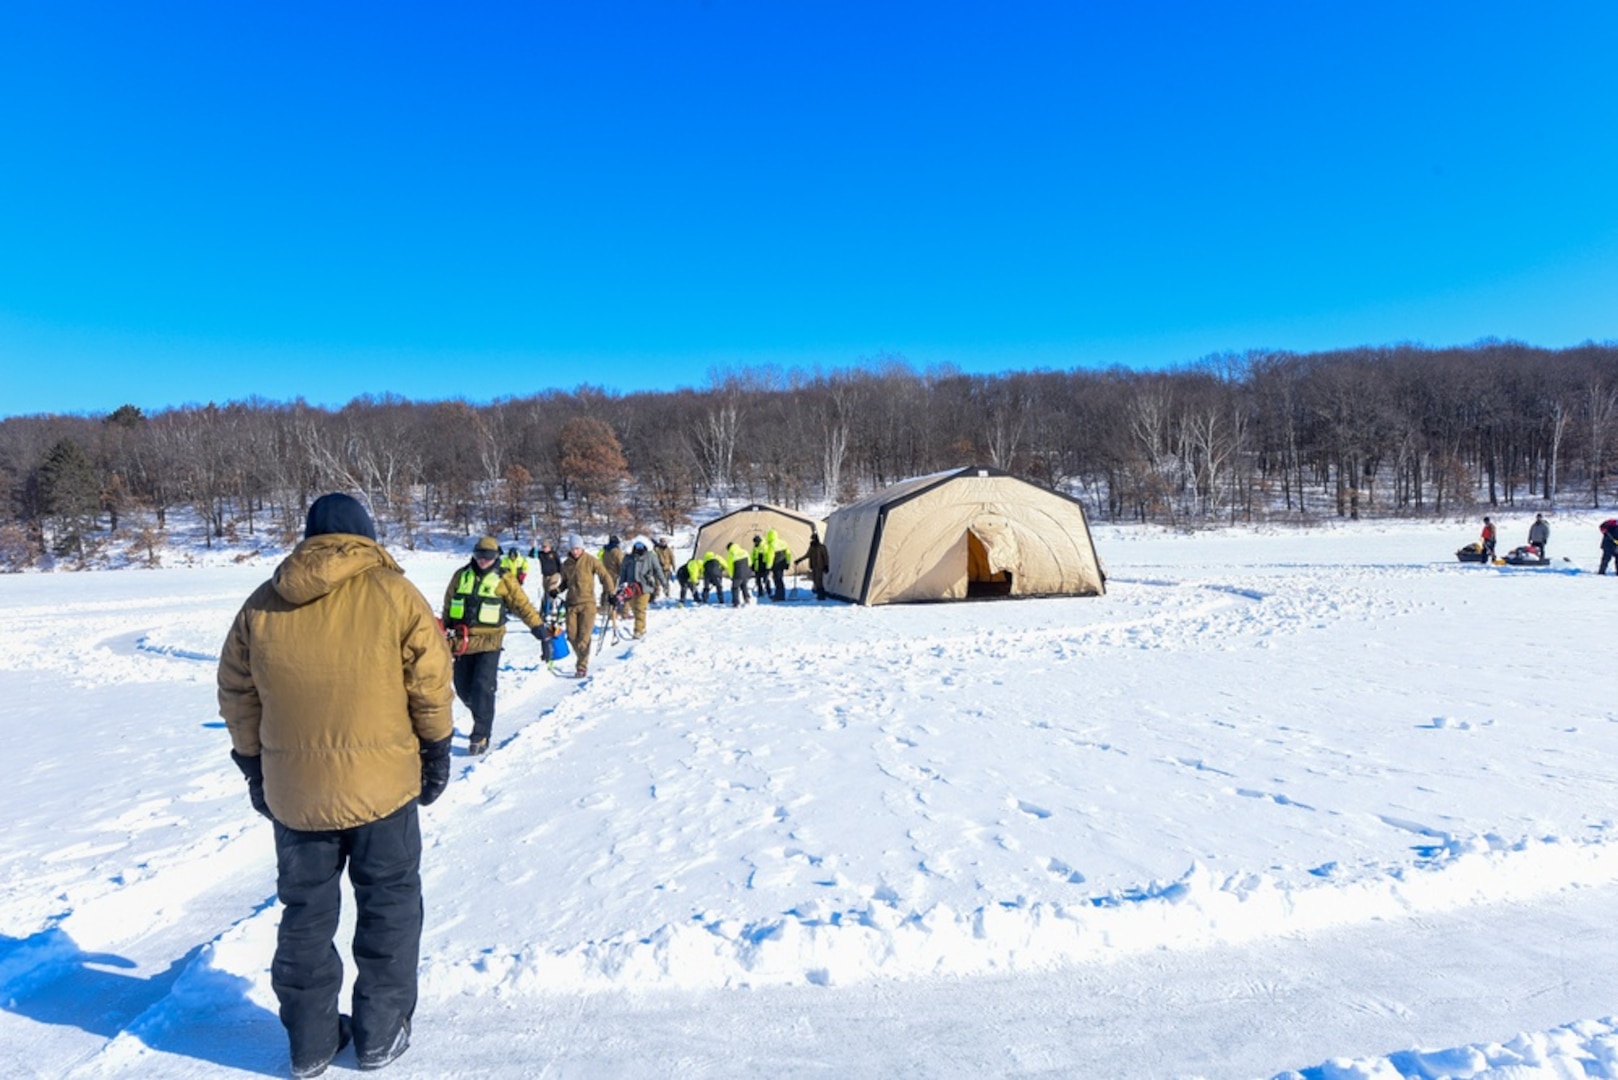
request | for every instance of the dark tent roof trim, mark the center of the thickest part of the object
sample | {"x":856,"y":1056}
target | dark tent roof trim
{"x":963,"y":534}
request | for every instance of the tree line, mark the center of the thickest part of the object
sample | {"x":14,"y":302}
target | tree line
{"x":1261,"y":435}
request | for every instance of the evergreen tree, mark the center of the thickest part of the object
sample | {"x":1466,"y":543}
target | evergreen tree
{"x":69,"y":494}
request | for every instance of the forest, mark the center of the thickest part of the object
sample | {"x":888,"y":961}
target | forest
{"x":1254,"y":437}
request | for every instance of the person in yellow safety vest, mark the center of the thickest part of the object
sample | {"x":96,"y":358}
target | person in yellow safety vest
{"x":513,"y":563}
{"x":691,"y":580}
{"x":713,"y":576}
{"x":780,"y":557}
{"x":760,"y":561}
{"x":741,"y":574}
{"x":475,"y":606}
{"x":579,"y":570}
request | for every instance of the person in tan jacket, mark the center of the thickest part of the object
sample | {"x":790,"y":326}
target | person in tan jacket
{"x":579,"y":572}
{"x":334,"y":682}
{"x":665,"y":559}
{"x":475,"y":607}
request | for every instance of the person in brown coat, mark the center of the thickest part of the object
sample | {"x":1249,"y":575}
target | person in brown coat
{"x":579,"y":572}
{"x":475,"y":606}
{"x":819,"y":560}
{"x":334,"y":682}
{"x":665,"y":559}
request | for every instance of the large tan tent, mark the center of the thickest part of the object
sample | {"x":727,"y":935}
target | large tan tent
{"x":969,"y":533}
{"x":755,"y":519}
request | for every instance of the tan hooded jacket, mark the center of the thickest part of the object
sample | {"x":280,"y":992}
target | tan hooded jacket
{"x":576,"y":578}
{"x":335,"y":672}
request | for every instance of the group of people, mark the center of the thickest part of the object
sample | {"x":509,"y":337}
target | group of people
{"x":759,"y":571}
{"x":340,"y":755}
{"x":1539,"y":537}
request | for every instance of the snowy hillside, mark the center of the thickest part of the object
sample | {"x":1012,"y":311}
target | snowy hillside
{"x":1323,"y":803}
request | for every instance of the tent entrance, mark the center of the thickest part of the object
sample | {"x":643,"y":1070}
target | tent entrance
{"x":982,"y":580}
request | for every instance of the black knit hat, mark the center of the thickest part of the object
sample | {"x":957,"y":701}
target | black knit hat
{"x":338,"y":513}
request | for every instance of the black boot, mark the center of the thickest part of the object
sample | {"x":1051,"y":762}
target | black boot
{"x":386,"y":1055}
{"x":317,"y":1066}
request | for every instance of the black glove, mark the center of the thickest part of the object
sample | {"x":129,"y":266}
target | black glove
{"x":553,"y":593}
{"x":540,"y":632}
{"x":253,"y":769}
{"x":434,"y":770}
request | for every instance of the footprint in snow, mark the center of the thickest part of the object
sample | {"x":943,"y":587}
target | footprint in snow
{"x":1032,"y":810}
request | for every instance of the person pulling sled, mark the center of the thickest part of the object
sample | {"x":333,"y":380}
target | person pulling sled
{"x":476,"y":603}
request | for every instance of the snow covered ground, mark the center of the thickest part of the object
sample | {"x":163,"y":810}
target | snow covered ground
{"x":1314,"y":803}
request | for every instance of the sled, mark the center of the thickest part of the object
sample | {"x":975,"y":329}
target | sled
{"x":1525,"y":556}
{"x":1472,"y":553}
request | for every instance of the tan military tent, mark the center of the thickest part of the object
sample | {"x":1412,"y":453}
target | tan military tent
{"x":755,"y":519}
{"x":960,"y":535}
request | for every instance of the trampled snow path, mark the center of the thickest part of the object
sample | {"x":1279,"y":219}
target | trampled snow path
{"x":1259,"y":762}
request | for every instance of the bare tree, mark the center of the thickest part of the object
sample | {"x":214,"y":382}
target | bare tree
{"x":716,"y":437}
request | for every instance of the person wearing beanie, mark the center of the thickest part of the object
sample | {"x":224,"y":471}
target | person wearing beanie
{"x":819,"y":560}
{"x":642,"y":569}
{"x":339,"y":756}
{"x":513,"y":562}
{"x":580,"y":570}
{"x":476,"y":604}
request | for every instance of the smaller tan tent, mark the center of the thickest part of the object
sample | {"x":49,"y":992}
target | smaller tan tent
{"x":970,"y":533}
{"x":755,"y":519}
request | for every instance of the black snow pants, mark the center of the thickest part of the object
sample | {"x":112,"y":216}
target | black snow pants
{"x":383,"y":859}
{"x":477,"y":675}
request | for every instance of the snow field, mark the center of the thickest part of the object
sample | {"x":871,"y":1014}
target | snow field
{"x":1253,"y":739}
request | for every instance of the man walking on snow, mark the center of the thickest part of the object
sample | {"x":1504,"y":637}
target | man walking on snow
{"x":475,"y":606}
{"x":642,"y":568}
{"x":579,"y":572}
{"x":335,"y":684}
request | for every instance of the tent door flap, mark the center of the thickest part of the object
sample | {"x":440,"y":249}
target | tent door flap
{"x":991,"y":554}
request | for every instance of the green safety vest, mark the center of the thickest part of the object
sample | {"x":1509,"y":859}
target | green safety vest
{"x":488,"y":607}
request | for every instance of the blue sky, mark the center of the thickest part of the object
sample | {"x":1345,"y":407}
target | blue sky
{"x":207,"y":201}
